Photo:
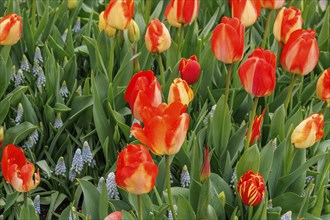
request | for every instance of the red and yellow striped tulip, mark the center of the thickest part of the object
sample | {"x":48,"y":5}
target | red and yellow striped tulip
{"x":119,"y":13}
{"x":10,"y":29}
{"x":157,"y":37}
{"x":180,"y":92}
{"x":136,"y":172}
{"x":247,"y":11}
{"x":323,"y":86}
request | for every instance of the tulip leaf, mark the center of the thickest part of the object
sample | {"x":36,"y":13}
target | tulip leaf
{"x":79,"y":104}
{"x":15,"y":135}
{"x":222,"y":186}
{"x":4,"y":109}
{"x":323,"y":38}
{"x":10,"y":200}
{"x":146,"y":201}
{"x":266,"y":160}
{"x":59,"y":107}
{"x":28,"y":211}
{"x":185,"y":210}
{"x":210,"y":24}
{"x":277,"y":124}
{"x":91,"y":199}
{"x":250,"y":160}
{"x":103,"y":203}
{"x":5,"y":69}
{"x":29,"y":113}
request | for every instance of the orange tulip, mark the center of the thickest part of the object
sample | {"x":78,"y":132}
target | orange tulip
{"x":114,"y":216}
{"x":136,"y":172}
{"x":189,"y":69}
{"x":323,"y":86}
{"x":301,"y":53}
{"x":258,"y":73}
{"x":165,"y":128}
{"x":247,"y":11}
{"x":119,"y":13}
{"x":287,"y":21}
{"x":227,"y":41}
{"x":10,"y":29}
{"x":251,"y":188}
{"x":143,"y":91}
{"x":180,"y":92}
{"x":17,"y":170}
{"x":206,"y":170}
{"x":256,"y":127}
{"x":181,"y":12}
{"x":157,"y":37}
{"x":272,"y":4}
{"x":104,"y":26}
{"x":308,"y":132}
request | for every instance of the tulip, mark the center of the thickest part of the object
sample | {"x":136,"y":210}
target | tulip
{"x":143,"y":91}
{"x":17,"y":170}
{"x":1,"y":137}
{"x":287,"y":21}
{"x":10,"y":29}
{"x":165,"y":128}
{"x":206,"y":170}
{"x":104,"y":26}
{"x":136,"y":172}
{"x":258,"y":73}
{"x":189,"y":69}
{"x":72,"y":4}
{"x":272,"y":4}
{"x":181,"y":12}
{"x":157,"y":37}
{"x":301,"y":53}
{"x":247,"y":11}
{"x":256,"y":127}
{"x":119,"y":13}
{"x":180,"y":92}
{"x":114,"y":216}
{"x":227,"y":41}
{"x":251,"y":188}
{"x":323,"y":86}
{"x":133,"y":31}
{"x":308,"y":132}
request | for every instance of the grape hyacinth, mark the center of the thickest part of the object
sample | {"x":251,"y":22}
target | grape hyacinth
{"x":77,"y":162}
{"x":185,"y":177}
{"x":32,"y":139}
{"x":287,"y":216}
{"x":41,"y":80}
{"x":58,"y":121}
{"x":79,"y":91}
{"x":210,"y":115}
{"x":77,"y":26}
{"x":64,"y":35}
{"x":170,"y":215}
{"x":36,"y":204}
{"x":60,"y":168}
{"x":19,"y":114}
{"x":72,"y":175}
{"x":64,"y":90}
{"x":100,"y":183}
{"x":112,"y":186}
{"x":25,"y":64}
{"x":19,"y":78}
{"x":13,"y":73}
{"x":37,"y":56}
{"x":87,"y":155}
{"x":35,"y":68}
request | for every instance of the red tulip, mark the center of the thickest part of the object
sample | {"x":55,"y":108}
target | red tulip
{"x":258,"y":73}
{"x":17,"y":170}
{"x":136,"y":172}
{"x":251,"y":188}
{"x":272,"y":4}
{"x":256,"y":127}
{"x":180,"y":92}
{"x":227,"y":41}
{"x":206,"y":170}
{"x":143,"y":91}
{"x":181,"y":12}
{"x":114,"y":216}
{"x":165,"y":128}
{"x":119,"y":13}
{"x":10,"y":29}
{"x":189,"y":69}
{"x":301,"y":53}
{"x":157,"y":37}
{"x":308,"y":132}
{"x":247,"y":11}
{"x":323,"y":86}
{"x":287,"y":21}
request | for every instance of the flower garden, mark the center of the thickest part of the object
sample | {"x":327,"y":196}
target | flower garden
{"x":165,"y":109}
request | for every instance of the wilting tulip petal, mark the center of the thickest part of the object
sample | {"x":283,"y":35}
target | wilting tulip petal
{"x":322,"y":87}
{"x":10,"y":29}
{"x":157,"y":37}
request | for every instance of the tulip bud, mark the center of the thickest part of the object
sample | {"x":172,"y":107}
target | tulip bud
{"x":180,"y":92}
{"x":308,"y":132}
{"x":72,"y":4}
{"x":10,"y":29}
{"x":222,"y":197}
{"x":247,"y":11}
{"x":272,"y":4}
{"x":114,"y":216}
{"x":227,"y":41}
{"x":189,"y":69}
{"x":136,"y":171}
{"x":300,"y":54}
{"x":205,"y":172}
{"x":323,"y":86}
{"x":258,"y":73}
{"x":119,"y":13}
{"x":104,"y":26}
{"x":287,"y":21}
{"x":133,"y":31}
{"x":116,"y":135}
{"x":157,"y":37}
{"x":251,"y":188}
{"x":181,"y":12}
{"x":1,"y":137}
{"x":256,"y":127}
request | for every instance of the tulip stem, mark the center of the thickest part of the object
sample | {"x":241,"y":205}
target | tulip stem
{"x":228,"y":79}
{"x":139,"y":207}
{"x":288,"y":96}
{"x":252,"y":115}
{"x":25,"y":195}
{"x":324,"y":108}
{"x":147,"y":12}
{"x":264,"y":40}
{"x":180,"y":38}
{"x":161,"y":69}
{"x":34,"y":7}
{"x":250,"y":212}
{"x":112,"y":56}
{"x":168,"y":183}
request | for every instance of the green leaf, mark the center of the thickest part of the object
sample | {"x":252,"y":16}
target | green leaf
{"x":28,"y":211}
{"x":10,"y":200}
{"x":250,"y":160}
{"x":44,"y":166}
{"x":91,"y":199}
{"x":204,"y":200}
{"x":15,"y":135}
{"x":59,"y":107}
{"x":29,"y":113}
{"x":266,"y":159}
{"x":103,"y":203}
{"x":277,"y":124}
{"x":185,"y":210}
